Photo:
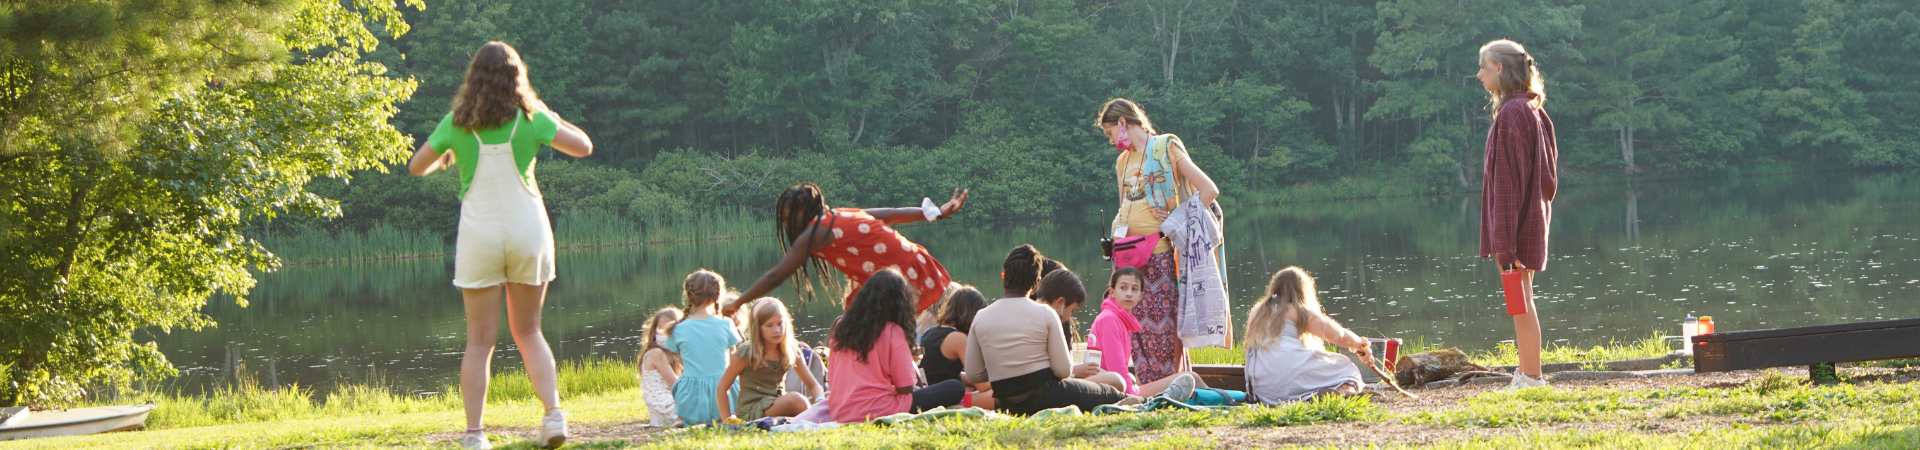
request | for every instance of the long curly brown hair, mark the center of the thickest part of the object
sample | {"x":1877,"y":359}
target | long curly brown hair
{"x":887,"y":298}
{"x":494,"y":90}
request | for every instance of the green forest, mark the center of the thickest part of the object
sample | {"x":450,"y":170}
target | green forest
{"x":153,"y":153}
{"x":701,"y":105}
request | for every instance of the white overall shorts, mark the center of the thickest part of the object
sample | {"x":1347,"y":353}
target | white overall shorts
{"x":504,"y":233}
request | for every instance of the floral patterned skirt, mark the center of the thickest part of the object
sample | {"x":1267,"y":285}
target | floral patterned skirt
{"x":1157,"y":350}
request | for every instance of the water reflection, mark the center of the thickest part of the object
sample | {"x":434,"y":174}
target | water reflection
{"x":1754,"y":253}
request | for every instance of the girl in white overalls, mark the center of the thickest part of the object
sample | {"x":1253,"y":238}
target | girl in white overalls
{"x":505,"y":242}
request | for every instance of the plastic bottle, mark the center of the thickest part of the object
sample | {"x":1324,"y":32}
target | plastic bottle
{"x":1689,"y":329}
{"x":1706,"y":324}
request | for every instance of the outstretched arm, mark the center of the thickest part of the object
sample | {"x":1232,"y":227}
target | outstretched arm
{"x":569,"y":139}
{"x":796,"y":258}
{"x":426,"y":161}
{"x":913,"y":214}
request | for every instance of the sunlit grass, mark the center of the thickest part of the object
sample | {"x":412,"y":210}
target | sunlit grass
{"x":248,"y":402}
{"x":1772,"y":411}
{"x":1652,"y":346}
{"x":1503,"y":354}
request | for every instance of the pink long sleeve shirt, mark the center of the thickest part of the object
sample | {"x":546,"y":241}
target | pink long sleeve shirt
{"x":1112,"y":334}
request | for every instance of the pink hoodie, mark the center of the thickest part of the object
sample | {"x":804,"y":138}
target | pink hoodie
{"x":1112,"y":335}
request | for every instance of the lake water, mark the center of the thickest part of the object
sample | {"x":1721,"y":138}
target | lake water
{"x":1627,"y":261}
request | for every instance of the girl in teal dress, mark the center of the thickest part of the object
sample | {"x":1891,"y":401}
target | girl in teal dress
{"x":703,"y":339}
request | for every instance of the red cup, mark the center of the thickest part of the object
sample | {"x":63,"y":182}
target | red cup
{"x":1391,"y":355}
{"x":1514,"y":282}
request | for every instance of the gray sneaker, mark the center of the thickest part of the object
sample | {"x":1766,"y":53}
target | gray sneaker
{"x":1180,"y":389}
{"x":553,"y":429}
{"x":1522,"y":381}
{"x":475,"y":441}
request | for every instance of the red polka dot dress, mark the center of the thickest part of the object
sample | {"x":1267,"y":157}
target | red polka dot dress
{"x":863,"y":245}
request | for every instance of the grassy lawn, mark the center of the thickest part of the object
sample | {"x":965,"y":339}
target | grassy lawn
{"x":1503,"y":354}
{"x":1771,"y":410}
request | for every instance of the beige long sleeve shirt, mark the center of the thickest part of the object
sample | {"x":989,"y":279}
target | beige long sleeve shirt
{"x":1015,"y":336}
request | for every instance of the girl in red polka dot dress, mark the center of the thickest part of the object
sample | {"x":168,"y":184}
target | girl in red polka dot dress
{"x":856,"y":242}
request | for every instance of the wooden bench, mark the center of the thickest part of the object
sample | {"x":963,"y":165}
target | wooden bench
{"x":1817,"y":347}
{"x":1222,"y":376}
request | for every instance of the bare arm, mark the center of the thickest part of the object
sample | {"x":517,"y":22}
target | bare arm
{"x":913,"y":214}
{"x":734,"y":365}
{"x":797,"y":255}
{"x":955,"y":346}
{"x":814,"y":390}
{"x":569,"y":139}
{"x":426,"y":161}
{"x":656,"y":359}
{"x":1324,"y":327}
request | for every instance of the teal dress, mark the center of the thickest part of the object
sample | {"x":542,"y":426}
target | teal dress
{"x":703,"y":345}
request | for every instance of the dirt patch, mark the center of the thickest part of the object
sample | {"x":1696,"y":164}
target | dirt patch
{"x":1398,"y":434}
{"x":636,"y":432}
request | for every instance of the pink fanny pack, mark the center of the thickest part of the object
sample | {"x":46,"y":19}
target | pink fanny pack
{"x":1133,"y":251}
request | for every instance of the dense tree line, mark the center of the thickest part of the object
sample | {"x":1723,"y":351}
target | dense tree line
{"x":698,"y":104}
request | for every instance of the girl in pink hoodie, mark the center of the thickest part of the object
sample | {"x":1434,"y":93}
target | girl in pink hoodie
{"x":1112,"y":337}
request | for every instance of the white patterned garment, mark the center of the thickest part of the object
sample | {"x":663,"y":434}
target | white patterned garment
{"x":1204,"y":319}
{"x":659,"y":397}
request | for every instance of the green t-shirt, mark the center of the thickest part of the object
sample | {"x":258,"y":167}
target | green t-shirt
{"x":527,"y":140}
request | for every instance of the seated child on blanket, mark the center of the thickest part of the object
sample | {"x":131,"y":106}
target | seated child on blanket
{"x":1286,"y":360}
{"x":1111,"y":337}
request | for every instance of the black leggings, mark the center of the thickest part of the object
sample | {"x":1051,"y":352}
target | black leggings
{"x":1057,"y":393}
{"x":945,"y":393}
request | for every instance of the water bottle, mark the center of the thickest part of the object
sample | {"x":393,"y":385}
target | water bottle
{"x":1706,"y":325}
{"x":1689,"y":329}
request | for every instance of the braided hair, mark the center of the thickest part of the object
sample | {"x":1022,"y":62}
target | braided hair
{"x":796,"y":209}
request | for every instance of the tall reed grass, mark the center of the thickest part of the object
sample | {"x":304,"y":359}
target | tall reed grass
{"x":576,"y":229}
{"x":597,"y":228}
{"x":382,"y":242}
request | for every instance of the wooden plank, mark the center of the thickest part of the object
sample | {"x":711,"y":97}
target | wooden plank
{"x":1800,"y":350}
{"x":1802,"y":331}
{"x":1222,"y":376}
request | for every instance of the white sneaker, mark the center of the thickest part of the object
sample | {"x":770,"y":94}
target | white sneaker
{"x":1180,"y":389}
{"x":1522,"y":381}
{"x":553,"y":429}
{"x":475,"y":441}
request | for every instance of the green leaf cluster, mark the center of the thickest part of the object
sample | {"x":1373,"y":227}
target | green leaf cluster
{"x":142,"y":139}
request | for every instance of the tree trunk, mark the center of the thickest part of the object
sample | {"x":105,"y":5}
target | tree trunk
{"x":1626,"y":147}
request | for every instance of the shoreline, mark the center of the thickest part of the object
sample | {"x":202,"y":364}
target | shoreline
{"x":1286,"y":195}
